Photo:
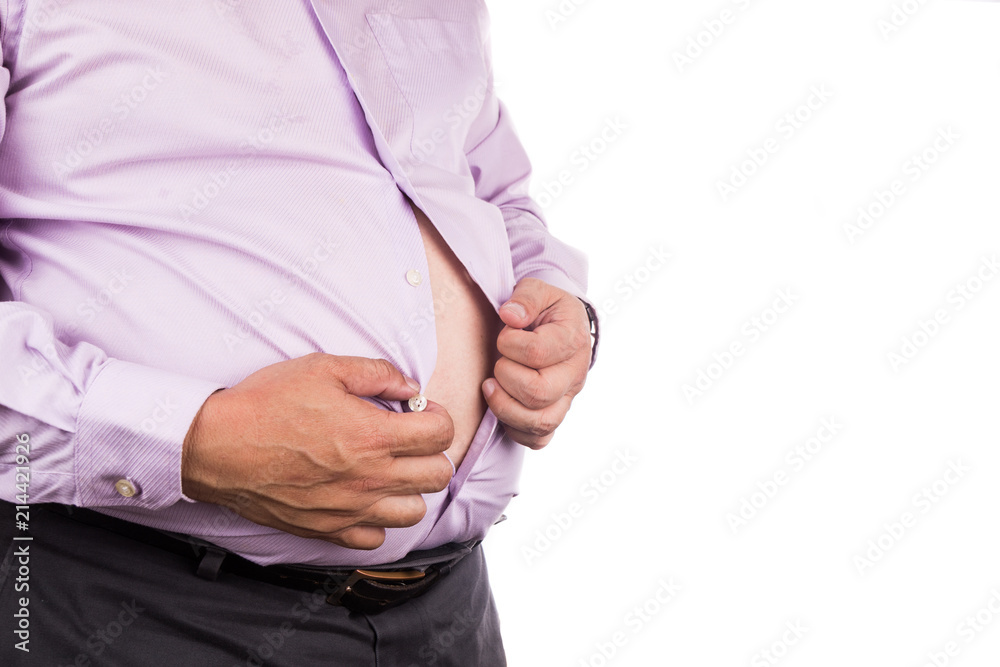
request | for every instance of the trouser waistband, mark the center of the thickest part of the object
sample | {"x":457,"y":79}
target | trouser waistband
{"x":369,"y":590}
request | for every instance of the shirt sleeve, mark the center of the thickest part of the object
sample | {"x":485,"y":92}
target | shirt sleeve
{"x":74,"y":422}
{"x":502,"y":173}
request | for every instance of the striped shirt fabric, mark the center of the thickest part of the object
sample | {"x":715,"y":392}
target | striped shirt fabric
{"x":193,"y":190}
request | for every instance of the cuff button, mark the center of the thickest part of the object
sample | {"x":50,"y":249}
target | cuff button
{"x":125,"y":488}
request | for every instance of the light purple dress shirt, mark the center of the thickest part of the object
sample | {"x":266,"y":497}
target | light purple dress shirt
{"x":193,"y":190}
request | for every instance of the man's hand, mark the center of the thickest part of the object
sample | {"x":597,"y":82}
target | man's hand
{"x":294,"y":448}
{"x":545,"y":350}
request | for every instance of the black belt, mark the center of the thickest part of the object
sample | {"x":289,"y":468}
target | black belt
{"x":368,"y":591}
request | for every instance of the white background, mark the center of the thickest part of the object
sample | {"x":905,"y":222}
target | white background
{"x":663,"y":517}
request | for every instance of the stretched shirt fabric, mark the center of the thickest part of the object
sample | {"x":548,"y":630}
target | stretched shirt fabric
{"x":191,"y":191}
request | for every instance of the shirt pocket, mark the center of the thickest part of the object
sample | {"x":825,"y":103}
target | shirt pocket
{"x":439,"y":69}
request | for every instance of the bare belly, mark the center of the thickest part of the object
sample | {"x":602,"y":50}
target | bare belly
{"x":467,"y":327}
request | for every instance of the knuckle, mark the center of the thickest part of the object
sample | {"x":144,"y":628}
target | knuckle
{"x":543,"y":426}
{"x":578,"y":340}
{"x":414,"y":511}
{"x":377,"y":437}
{"x":503,"y":336}
{"x":366,"y":486}
{"x":530,"y":441}
{"x":445,"y":433}
{"x":322,"y":366}
{"x":322,"y":362}
{"x":327,"y":525}
{"x":534,"y":353}
{"x":530,"y":282}
{"x":537,"y":394}
{"x":441,"y":475}
{"x":539,"y":443}
{"x":368,"y":539}
{"x":297,"y":504}
{"x":315,"y":357}
{"x":371,"y":543}
{"x":353,"y":505}
{"x":381,"y":368}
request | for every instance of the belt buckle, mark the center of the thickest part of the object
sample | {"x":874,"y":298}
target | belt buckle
{"x":382,"y":577}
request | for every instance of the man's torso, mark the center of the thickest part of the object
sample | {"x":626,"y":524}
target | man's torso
{"x":220,"y":154}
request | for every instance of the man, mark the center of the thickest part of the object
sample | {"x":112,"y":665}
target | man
{"x":238,"y":238}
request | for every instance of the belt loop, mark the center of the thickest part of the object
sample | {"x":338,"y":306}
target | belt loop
{"x":210,"y":563}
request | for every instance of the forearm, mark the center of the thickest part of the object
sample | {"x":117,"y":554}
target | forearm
{"x":91,"y":420}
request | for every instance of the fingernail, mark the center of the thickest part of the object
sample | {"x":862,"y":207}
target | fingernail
{"x":414,"y":385}
{"x":515,"y":308}
{"x":489,"y":387}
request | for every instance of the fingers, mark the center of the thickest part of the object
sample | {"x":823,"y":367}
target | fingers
{"x":531,"y":297}
{"x":366,"y":377}
{"x":537,"y":389}
{"x":414,"y":433}
{"x":358,"y":537}
{"x":363,"y":529}
{"x":547,"y":345}
{"x":532,"y":428}
{"x":416,"y":474}
{"x":387,"y":512}
{"x":395,"y":512}
{"x":369,"y":531}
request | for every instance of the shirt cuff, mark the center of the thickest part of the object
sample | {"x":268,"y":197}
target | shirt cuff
{"x":562,"y":281}
{"x":130,"y":435}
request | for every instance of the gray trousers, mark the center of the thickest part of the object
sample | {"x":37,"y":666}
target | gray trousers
{"x":99,"y":598}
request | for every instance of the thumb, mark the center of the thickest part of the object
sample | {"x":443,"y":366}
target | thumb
{"x":530,"y":298}
{"x":361,"y":376}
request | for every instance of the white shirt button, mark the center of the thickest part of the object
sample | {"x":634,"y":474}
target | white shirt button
{"x":125,"y":488}
{"x":413,"y":277}
{"x":417,"y":403}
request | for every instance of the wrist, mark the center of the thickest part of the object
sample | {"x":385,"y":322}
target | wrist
{"x":194,"y":484}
